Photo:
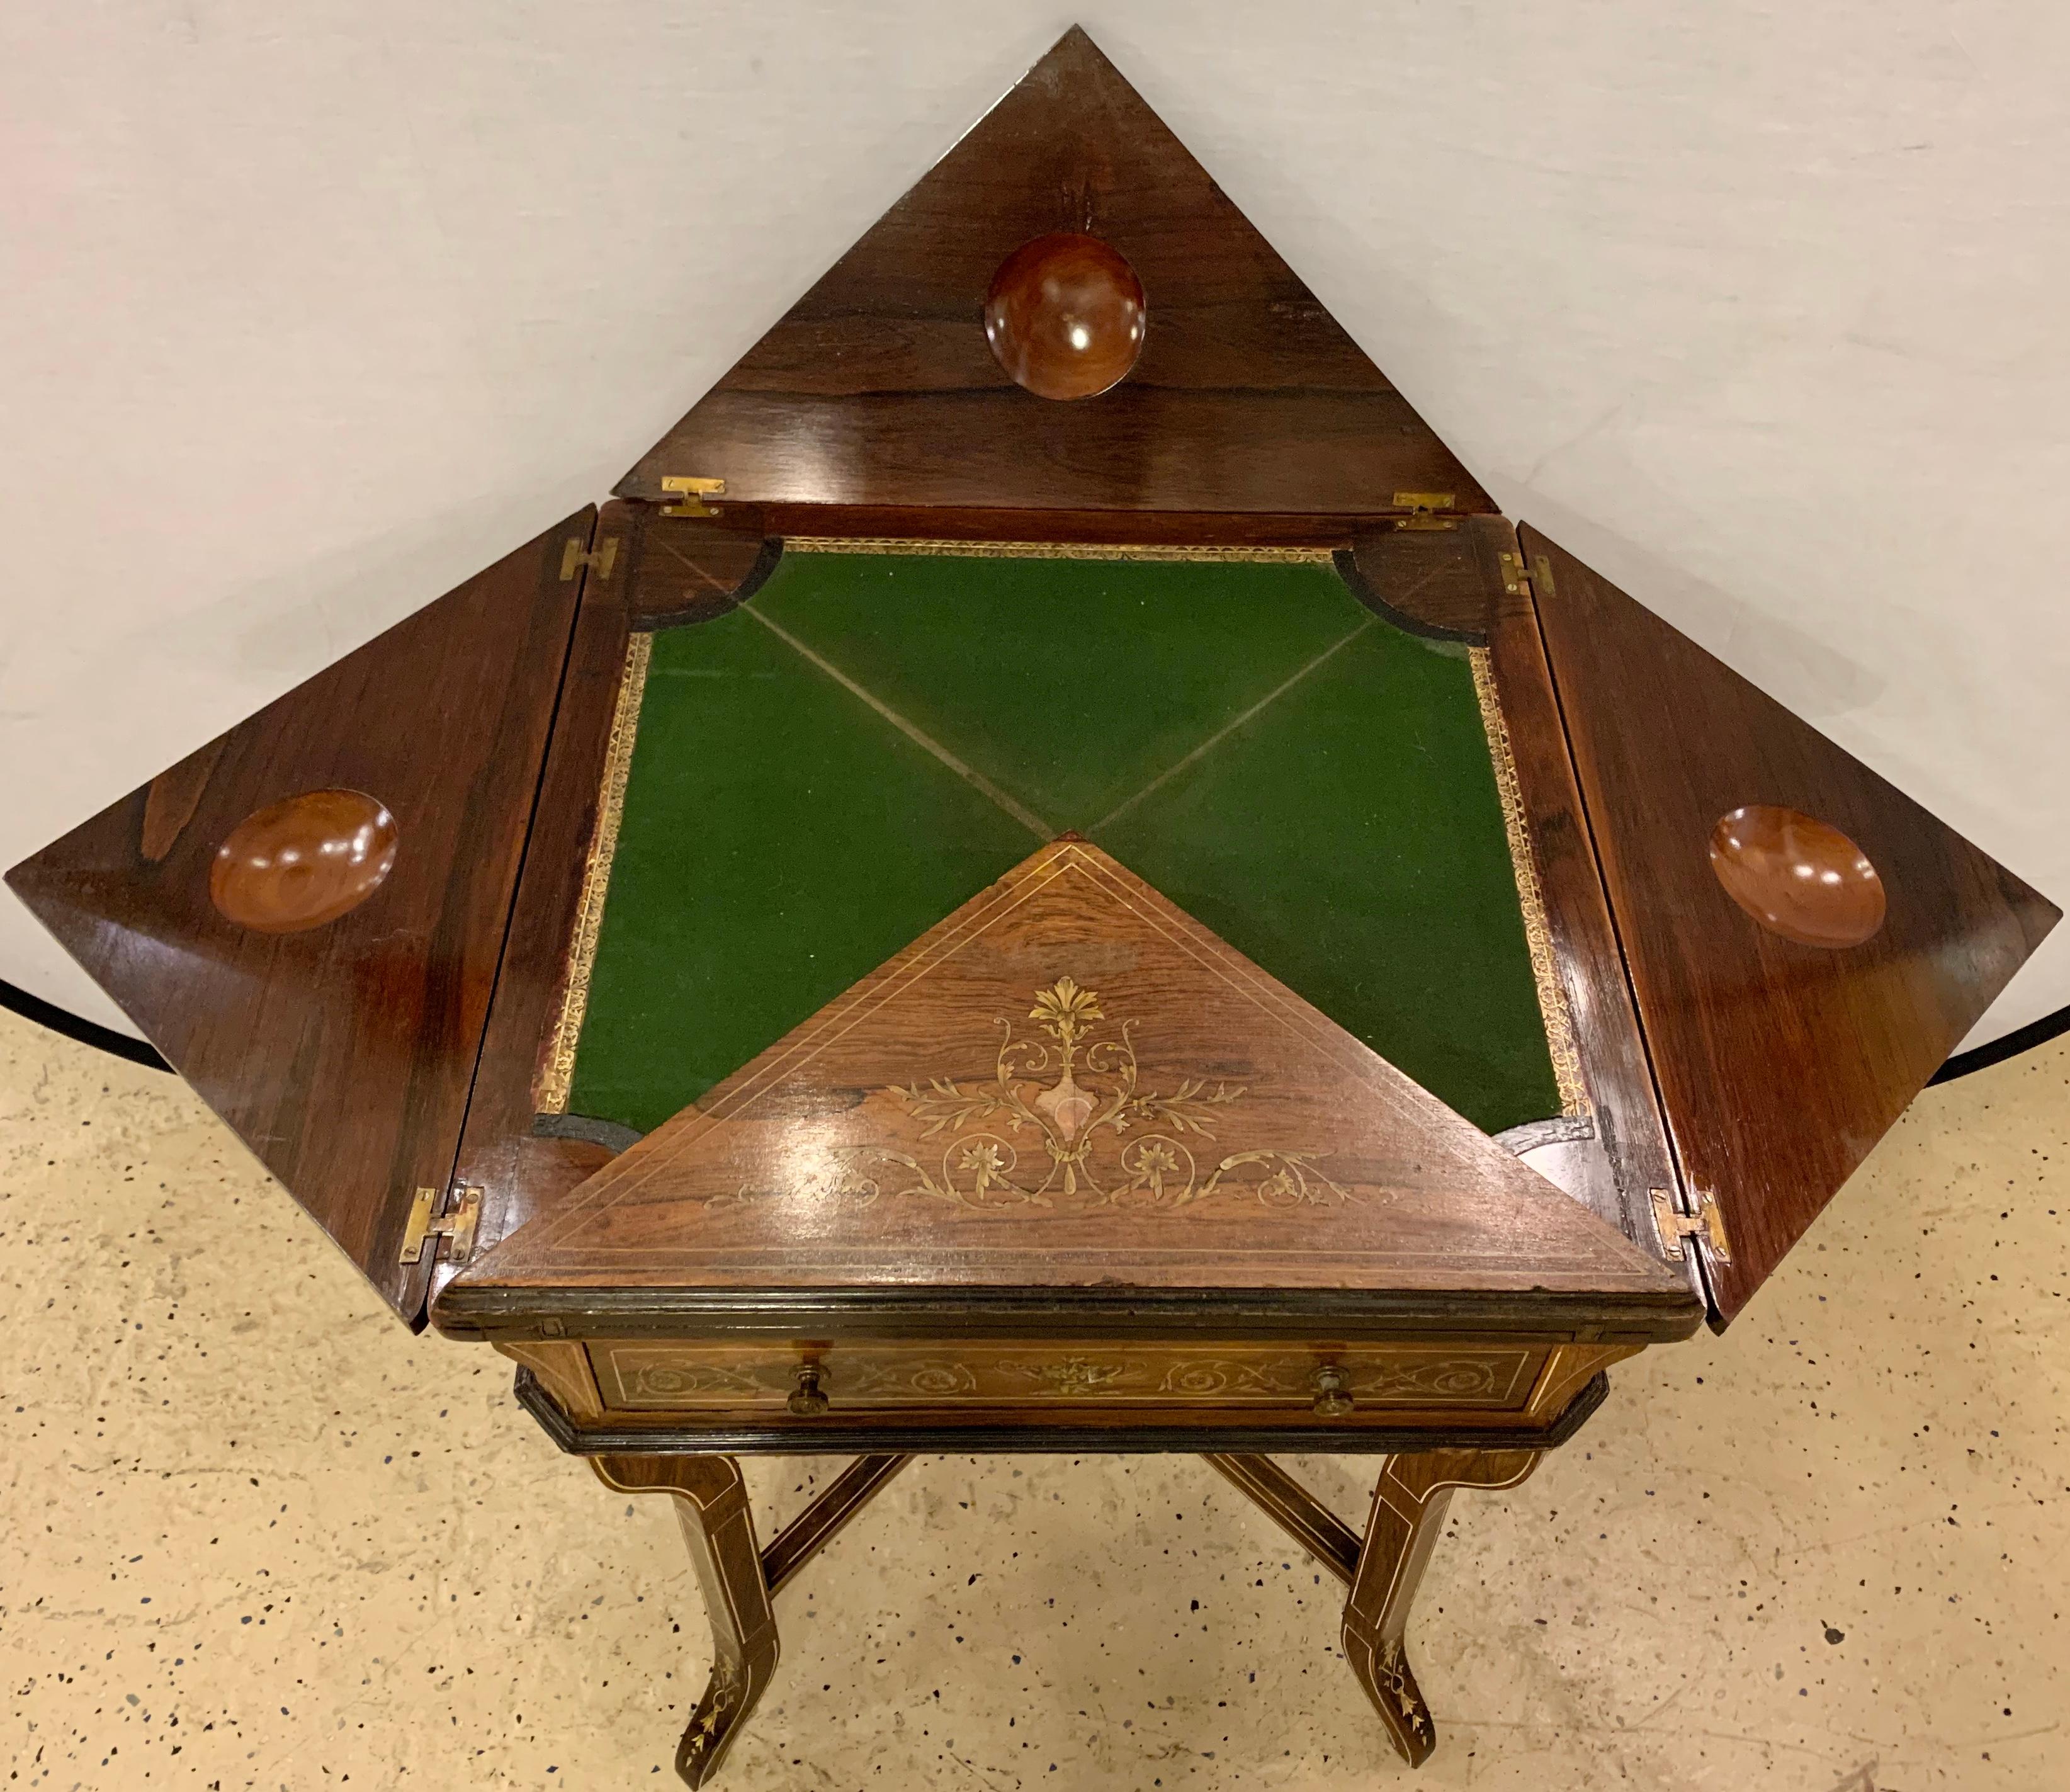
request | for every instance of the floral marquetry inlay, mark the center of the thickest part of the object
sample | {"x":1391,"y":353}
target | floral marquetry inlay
{"x":1398,"y":1684}
{"x":658,"y":1377}
{"x":1036,"y":1135}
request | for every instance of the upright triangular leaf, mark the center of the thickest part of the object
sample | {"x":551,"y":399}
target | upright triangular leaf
{"x":878,"y":388}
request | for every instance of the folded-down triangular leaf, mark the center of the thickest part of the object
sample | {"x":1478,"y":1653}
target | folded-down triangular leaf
{"x":1069,"y":1086}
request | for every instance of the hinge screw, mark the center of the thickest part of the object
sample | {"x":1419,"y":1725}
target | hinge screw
{"x":693,"y":491}
{"x":422,"y":1229}
{"x":1680,"y":1232}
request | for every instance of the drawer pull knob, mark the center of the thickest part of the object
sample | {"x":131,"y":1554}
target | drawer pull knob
{"x":1333,"y":1393}
{"x":808,"y":1400}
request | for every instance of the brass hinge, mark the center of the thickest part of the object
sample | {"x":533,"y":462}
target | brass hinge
{"x":1515,"y":579}
{"x":1422,"y":506}
{"x":456,"y":1227}
{"x":1706,"y":1225}
{"x":1541,"y":571}
{"x":695,"y":491}
{"x":572,"y":557}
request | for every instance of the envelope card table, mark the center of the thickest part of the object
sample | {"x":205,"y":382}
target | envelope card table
{"x":1047,"y":875}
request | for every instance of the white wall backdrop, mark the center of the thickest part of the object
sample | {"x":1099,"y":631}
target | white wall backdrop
{"x":312,"y":311}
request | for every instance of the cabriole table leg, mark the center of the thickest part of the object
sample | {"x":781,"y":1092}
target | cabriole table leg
{"x":1408,"y":1513}
{"x":719,"y":1527}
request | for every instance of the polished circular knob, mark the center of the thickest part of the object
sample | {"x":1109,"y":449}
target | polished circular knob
{"x":1798,"y":877}
{"x":1333,"y":1392}
{"x":807,"y":1399}
{"x":299,"y":863}
{"x":1065,"y":315}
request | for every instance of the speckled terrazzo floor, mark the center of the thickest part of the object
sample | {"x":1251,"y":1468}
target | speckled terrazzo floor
{"x":257,"y":1537}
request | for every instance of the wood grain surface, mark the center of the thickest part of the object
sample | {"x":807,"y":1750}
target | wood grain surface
{"x":935,"y":1130}
{"x":1779,"y":1064}
{"x":500,"y":1152}
{"x":995,"y":523}
{"x":1044,"y":1377}
{"x":683,"y":570}
{"x":878,"y":387}
{"x":951,"y":1431}
{"x":1410,"y":1503}
{"x":173,"y":796}
{"x":342,"y":1055}
{"x":1444,"y":582}
{"x":718,"y":1522}
{"x":1628,"y":1155}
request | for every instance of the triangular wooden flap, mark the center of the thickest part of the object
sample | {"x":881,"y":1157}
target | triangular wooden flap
{"x":1807,"y":943}
{"x":880,"y":387}
{"x":305,"y":916}
{"x":1068,"y":1086}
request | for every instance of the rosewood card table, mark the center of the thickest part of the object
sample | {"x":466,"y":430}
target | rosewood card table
{"x":1047,"y":875}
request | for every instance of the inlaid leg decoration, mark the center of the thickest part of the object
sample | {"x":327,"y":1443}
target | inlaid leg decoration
{"x":738,"y":1578}
{"x":1408,"y":1513}
{"x":719,"y":1527}
{"x":1383,"y":1572}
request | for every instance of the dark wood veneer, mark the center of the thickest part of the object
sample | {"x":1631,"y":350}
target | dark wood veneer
{"x":687,"y":569}
{"x":877,"y":387}
{"x":1779,"y":1064}
{"x":500,"y":1153}
{"x":1447,"y":583}
{"x":173,"y":796}
{"x":961,"y":523}
{"x":1628,"y":1155}
{"x":341,"y":1056}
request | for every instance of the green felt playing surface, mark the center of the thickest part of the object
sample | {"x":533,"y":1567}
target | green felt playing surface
{"x":823,"y":774}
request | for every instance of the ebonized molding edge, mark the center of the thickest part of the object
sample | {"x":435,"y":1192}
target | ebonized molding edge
{"x":469,"y":1315}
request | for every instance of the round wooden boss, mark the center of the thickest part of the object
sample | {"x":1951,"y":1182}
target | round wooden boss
{"x":1065,"y":315}
{"x":302,"y":861}
{"x":1798,"y":876}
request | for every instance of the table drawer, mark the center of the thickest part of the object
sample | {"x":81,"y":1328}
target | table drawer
{"x":1078,"y":1376}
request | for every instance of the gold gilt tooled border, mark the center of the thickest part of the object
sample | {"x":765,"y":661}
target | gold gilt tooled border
{"x":1057,"y":551}
{"x":558,"y":1075}
{"x":1531,"y":898}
